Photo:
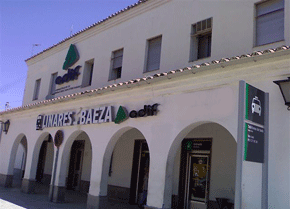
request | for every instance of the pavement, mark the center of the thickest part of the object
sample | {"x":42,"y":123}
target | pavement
{"x":13,"y":198}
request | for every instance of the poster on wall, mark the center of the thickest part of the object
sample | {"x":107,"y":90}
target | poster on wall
{"x":254,"y":143}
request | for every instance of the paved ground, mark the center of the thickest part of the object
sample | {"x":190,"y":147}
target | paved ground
{"x":13,"y":198}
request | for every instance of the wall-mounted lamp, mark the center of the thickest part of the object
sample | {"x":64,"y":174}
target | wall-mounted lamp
{"x":5,"y":126}
{"x":284,"y":86}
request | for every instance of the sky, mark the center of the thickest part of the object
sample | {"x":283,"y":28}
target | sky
{"x":27,"y":23}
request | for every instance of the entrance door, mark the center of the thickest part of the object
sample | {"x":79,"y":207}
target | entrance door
{"x":75,"y":167}
{"x":140,"y":173}
{"x":194,"y":177}
{"x":197,"y":181}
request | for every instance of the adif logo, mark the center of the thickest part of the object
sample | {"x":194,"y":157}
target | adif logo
{"x":148,"y":110}
{"x":122,"y":115}
{"x":71,"y":58}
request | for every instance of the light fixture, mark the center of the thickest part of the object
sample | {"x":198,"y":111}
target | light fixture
{"x":5,"y":126}
{"x":284,"y":86}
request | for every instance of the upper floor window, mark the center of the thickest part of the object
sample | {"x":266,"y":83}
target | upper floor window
{"x":52,"y":83}
{"x":116,"y":64}
{"x":36,"y":89}
{"x":153,"y":54}
{"x":269,"y":22}
{"x":88,"y":73}
{"x":201,"y":33}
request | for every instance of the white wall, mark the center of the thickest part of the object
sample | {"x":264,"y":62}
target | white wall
{"x":210,"y":95}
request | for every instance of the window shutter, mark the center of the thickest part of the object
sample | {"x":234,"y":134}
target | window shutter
{"x":270,"y":22}
{"x":154,"y":52}
{"x":36,"y":89}
{"x":53,"y":85}
{"x":118,"y":57}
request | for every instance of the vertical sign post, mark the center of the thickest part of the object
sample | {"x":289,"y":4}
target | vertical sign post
{"x":252,"y":148}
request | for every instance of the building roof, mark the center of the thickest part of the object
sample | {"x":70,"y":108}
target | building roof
{"x":156,"y":77}
{"x":89,"y":27}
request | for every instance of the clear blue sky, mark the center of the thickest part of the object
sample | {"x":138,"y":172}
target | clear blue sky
{"x":44,"y":22}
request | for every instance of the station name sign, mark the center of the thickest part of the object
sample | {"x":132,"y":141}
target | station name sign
{"x":98,"y":115}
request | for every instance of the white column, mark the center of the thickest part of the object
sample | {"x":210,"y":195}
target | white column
{"x":159,"y":141}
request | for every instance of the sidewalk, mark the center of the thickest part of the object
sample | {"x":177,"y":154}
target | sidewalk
{"x":13,"y":198}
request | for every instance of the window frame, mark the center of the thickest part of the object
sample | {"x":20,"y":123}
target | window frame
{"x":88,"y":73}
{"x":116,"y":73}
{"x":196,"y":34}
{"x":52,"y":83}
{"x":36,"y":89}
{"x":256,"y":17}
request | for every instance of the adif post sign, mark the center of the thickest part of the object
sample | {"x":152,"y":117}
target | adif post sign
{"x":252,"y":148}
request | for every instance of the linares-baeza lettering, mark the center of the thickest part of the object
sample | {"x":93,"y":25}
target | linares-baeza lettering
{"x":89,"y":116}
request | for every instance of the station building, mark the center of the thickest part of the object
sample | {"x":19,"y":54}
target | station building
{"x":142,"y":108}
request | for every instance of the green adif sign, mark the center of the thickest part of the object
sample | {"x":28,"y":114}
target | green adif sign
{"x":72,"y":74}
{"x":71,"y":58}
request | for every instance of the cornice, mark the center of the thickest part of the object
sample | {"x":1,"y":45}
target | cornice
{"x":224,"y":62}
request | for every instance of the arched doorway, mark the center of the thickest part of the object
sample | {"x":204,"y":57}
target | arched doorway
{"x":45,"y":161}
{"x":20,"y":153}
{"x":204,"y":167}
{"x":79,"y":166}
{"x":128,"y":171}
{"x":71,"y":179}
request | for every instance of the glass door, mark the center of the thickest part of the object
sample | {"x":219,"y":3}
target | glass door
{"x":197,"y":181}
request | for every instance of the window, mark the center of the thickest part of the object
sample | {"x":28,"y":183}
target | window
{"x":88,"y":73}
{"x":52,"y":83}
{"x":36,"y":89}
{"x":153,"y":54}
{"x":116,"y":65}
{"x":269,"y":22}
{"x":201,"y":33}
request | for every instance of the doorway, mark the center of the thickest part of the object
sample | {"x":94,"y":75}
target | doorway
{"x":75,"y":165}
{"x":140,"y":173}
{"x":197,"y":181}
{"x":195,"y":173}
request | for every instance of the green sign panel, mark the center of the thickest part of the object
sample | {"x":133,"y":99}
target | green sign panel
{"x":197,"y":144}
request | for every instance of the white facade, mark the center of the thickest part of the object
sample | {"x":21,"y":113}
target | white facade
{"x":197,"y":99}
